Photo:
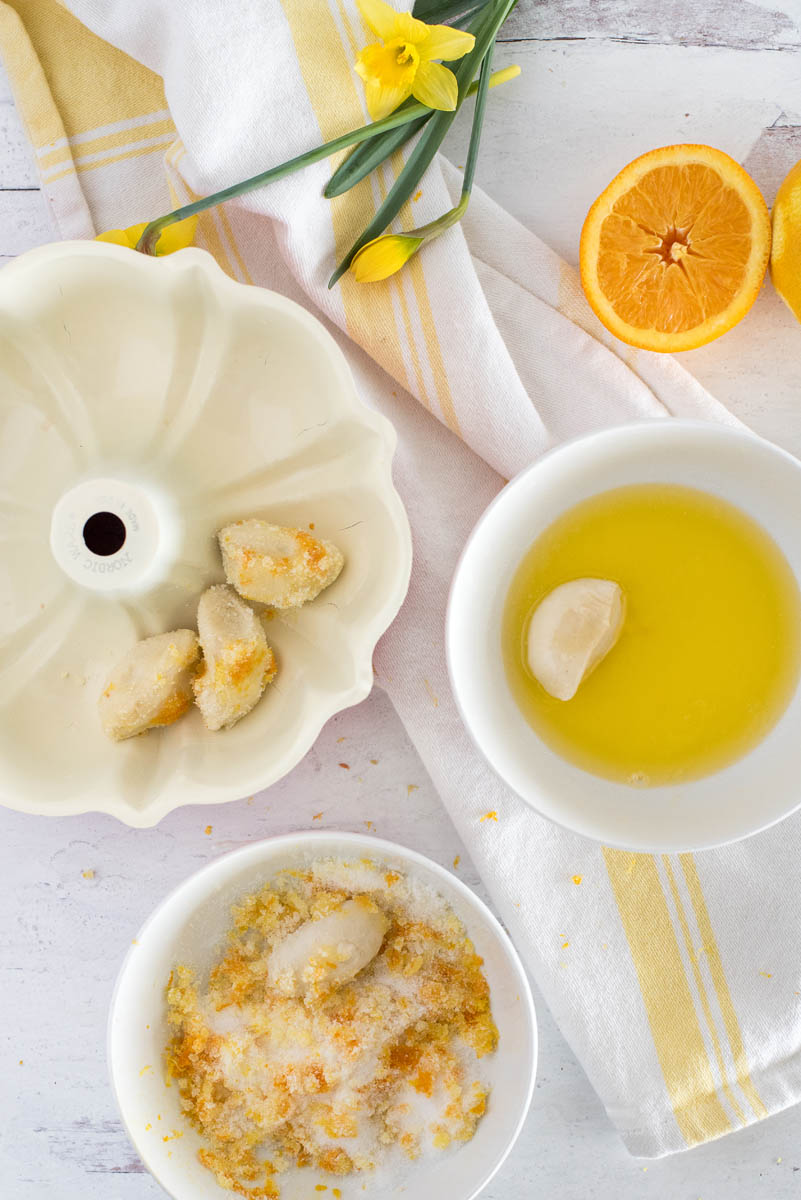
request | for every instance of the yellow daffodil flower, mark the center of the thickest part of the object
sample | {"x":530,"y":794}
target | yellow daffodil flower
{"x":403,"y":65}
{"x":174,"y":237}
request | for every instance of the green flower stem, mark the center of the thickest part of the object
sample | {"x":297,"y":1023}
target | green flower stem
{"x":451,"y":217}
{"x":151,"y":232}
{"x":484,"y":84}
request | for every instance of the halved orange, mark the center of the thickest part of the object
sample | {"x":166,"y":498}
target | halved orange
{"x":674,"y":251}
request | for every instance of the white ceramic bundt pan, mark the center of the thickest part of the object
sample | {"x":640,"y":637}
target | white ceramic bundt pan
{"x":163,"y":393}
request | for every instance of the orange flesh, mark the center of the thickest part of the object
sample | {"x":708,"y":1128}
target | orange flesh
{"x":674,"y":249}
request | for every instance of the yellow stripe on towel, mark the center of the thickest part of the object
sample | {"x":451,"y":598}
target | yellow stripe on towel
{"x":42,"y":120}
{"x":666,"y":994}
{"x":326,"y":74}
{"x":86,"y":148}
{"x":417,"y":276}
{"x":414,"y":269}
{"x":115,"y":89}
{"x":427,"y":323}
{"x":730,"y":1021}
{"x":699,"y":987}
{"x":82,"y":168}
{"x":395,"y":284}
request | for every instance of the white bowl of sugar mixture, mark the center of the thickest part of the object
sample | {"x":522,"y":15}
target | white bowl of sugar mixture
{"x":323,"y":1014}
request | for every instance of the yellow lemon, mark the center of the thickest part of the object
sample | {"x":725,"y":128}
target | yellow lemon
{"x":785,"y":255}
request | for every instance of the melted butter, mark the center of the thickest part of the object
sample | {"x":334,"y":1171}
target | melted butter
{"x":710,"y":652}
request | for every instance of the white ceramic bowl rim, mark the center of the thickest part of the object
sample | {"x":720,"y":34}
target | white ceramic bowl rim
{"x":378,"y":848}
{"x":745,"y":798}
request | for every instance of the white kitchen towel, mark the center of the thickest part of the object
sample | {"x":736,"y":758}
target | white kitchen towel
{"x":676,"y":979}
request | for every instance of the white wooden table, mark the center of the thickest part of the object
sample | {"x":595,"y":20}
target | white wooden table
{"x":603,"y":81}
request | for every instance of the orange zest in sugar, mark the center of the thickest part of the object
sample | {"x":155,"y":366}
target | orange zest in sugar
{"x":332,"y":1078}
{"x":710,"y":650}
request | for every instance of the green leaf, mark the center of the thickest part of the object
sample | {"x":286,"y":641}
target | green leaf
{"x":365,"y":158}
{"x":444,"y":10}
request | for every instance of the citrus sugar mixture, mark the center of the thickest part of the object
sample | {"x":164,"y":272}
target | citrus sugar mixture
{"x":283,"y":1060}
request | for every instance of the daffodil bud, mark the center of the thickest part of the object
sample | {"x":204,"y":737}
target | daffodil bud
{"x":384,"y":256}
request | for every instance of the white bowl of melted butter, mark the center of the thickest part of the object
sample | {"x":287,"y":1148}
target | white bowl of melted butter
{"x":188,"y":993}
{"x":685,"y":734}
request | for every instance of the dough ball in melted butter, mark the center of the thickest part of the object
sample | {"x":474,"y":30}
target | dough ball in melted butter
{"x":572,"y":629}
